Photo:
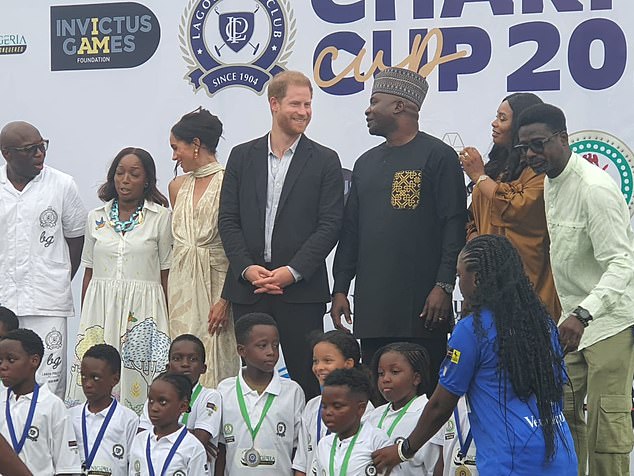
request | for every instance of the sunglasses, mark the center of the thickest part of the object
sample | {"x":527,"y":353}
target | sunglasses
{"x":32,"y":148}
{"x":536,"y":145}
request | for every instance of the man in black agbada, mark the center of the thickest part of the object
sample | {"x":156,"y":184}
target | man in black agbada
{"x":404,"y":225}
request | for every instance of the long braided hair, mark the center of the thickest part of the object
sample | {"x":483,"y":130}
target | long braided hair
{"x":525,"y":330}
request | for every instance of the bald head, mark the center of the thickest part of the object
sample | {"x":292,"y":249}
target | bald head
{"x":24,"y":150}
{"x":19,"y":133}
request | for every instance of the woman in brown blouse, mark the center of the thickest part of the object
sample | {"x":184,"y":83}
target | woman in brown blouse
{"x":508,"y":198}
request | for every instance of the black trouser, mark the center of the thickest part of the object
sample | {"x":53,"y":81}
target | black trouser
{"x":295,"y":322}
{"x":436,"y":348}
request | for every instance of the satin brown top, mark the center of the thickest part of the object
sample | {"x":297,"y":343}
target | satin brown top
{"x":517,"y":212}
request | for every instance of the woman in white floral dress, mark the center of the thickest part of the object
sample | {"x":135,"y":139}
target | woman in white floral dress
{"x":127,"y":253}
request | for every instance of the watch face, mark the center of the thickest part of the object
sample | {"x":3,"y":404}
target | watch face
{"x":583,"y":314}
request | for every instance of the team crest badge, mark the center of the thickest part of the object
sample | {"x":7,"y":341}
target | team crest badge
{"x":54,"y":340}
{"x":242,"y":43}
{"x":370,"y":470}
{"x":118,"y":451}
{"x":610,"y":154}
{"x":48,"y":218}
{"x":281,"y":429}
{"x":34,"y":433}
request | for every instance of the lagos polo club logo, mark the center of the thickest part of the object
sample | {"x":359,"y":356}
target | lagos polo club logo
{"x":102,"y":36}
{"x":242,"y":43}
{"x":610,"y":154}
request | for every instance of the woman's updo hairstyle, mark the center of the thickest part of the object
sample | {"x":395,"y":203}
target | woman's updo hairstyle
{"x":201,"y":124}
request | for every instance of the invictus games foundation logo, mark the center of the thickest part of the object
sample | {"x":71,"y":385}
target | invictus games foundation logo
{"x":102,"y":36}
{"x":236,"y":42}
{"x":608,"y":153}
{"x":12,"y":44}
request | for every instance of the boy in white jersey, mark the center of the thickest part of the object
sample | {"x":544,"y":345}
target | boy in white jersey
{"x":348,"y":449}
{"x":458,"y":455}
{"x":36,"y":422}
{"x":187,"y":357}
{"x":261,"y":414}
{"x":104,"y":428}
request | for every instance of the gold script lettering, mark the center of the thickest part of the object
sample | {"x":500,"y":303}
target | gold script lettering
{"x":419,"y":46}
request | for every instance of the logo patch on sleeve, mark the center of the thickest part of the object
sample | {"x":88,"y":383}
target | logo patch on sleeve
{"x":453,"y":355}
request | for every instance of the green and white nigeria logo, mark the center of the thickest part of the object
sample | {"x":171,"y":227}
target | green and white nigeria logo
{"x":609,"y":153}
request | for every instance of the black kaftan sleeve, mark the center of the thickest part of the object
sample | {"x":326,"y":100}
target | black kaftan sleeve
{"x":451,"y":204}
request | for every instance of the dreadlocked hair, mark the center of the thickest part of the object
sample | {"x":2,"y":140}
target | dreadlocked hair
{"x":525,"y":330}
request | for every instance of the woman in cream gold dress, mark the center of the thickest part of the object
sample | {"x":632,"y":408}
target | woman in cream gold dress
{"x":199,"y":264}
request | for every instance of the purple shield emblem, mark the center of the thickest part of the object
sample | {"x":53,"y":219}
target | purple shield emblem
{"x":236,"y":29}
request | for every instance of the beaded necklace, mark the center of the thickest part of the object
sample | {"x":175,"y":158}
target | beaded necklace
{"x":128,"y":225}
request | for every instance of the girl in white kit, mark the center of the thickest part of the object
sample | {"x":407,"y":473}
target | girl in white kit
{"x":331,"y":351}
{"x":402,"y":372}
{"x":168,"y":449}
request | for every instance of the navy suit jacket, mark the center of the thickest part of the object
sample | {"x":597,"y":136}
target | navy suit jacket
{"x":307,"y":223}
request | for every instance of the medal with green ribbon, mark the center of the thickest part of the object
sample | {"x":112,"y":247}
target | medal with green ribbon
{"x":252,"y":456}
{"x":346,"y":458}
{"x":399,"y":417}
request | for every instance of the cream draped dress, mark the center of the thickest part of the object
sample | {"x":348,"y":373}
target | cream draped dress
{"x":197,"y":275}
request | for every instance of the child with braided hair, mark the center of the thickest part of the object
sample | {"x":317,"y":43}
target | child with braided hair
{"x":402,"y":373}
{"x":505,"y":356}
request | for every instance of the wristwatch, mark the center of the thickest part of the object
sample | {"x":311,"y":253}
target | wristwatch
{"x":448,"y":288}
{"x":583,"y":315}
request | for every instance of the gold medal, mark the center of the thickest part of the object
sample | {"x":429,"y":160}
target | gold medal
{"x":462,"y":470}
{"x":252,"y":457}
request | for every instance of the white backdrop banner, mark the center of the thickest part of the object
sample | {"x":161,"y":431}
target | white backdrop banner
{"x":97,"y":77}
